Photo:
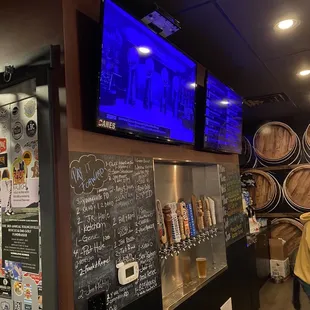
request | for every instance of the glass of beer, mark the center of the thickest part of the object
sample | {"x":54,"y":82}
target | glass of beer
{"x":201,"y":264}
{"x":186,"y":269}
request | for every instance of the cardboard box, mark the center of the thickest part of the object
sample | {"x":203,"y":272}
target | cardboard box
{"x":279,"y":268}
{"x":278,"y":249}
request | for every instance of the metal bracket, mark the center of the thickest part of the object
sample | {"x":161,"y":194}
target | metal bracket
{"x":8,"y":72}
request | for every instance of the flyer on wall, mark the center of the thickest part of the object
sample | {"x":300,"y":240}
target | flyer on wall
{"x":19,"y":185}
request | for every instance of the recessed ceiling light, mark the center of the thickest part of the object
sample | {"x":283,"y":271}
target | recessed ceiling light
{"x":144,"y":50}
{"x":225,"y":102}
{"x":287,"y":24}
{"x":193,"y":85}
{"x":304,"y":72}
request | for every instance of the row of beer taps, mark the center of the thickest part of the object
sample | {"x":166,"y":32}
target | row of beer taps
{"x":184,"y":225}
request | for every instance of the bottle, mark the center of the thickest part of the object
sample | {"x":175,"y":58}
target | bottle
{"x":168,"y":223}
{"x":161,"y":223}
{"x":205,"y":212}
{"x":212,"y":210}
{"x":191,"y":220}
{"x":208,"y":212}
{"x":200,"y":216}
{"x":195,"y":210}
{"x":185,"y":219}
{"x":171,"y":221}
{"x":176,"y":235}
{"x":181,"y":221}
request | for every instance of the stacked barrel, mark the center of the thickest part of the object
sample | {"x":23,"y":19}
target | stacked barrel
{"x":287,"y":229}
{"x":267,"y":192}
{"x":306,"y":144}
{"x":276,"y":143}
{"x":296,"y":188}
{"x":247,"y":158}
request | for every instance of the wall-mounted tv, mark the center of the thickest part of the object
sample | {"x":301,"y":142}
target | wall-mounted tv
{"x":222,"y":121}
{"x":147,"y":86}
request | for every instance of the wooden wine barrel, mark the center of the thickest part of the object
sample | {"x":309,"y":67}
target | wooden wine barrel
{"x":247,"y":159}
{"x":275,"y":142}
{"x":289,"y":230}
{"x":266,"y":195}
{"x":293,"y":159}
{"x":296,"y":188}
{"x":308,"y":136}
{"x":306,"y":144}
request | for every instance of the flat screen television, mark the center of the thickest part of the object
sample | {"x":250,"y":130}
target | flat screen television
{"x":147,"y":86}
{"x":222,"y":121}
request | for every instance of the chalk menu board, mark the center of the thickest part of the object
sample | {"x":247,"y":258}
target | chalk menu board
{"x":223,"y":126}
{"x":234,"y":227}
{"x":113,"y":220}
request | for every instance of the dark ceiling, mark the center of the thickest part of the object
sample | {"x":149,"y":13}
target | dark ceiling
{"x":236,"y":40}
{"x":26,"y":29}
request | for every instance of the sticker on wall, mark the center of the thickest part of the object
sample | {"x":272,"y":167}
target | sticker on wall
{"x":31,"y":129}
{"x":5,"y":305}
{"x":6,"y":174}
{"x":13,"y":270}
{"x":17,"y":148}
{"x":19,"y":172}
{"x":2,"y":271}
{"x":18,"y":288}
{"x":4,"y":115}
{"x":37,"y":278}
{"x":6,"y":201}
{"x":35,"y":170}
{"x":15,"y":112}
{"x":3,"y":160}
{"x":3,"y":146}
{"x":32,"y":144}
{"x":5,"y":288}
{"x":4,"y":127}
{"x":36,"y":153}
{"x":17,"y":130}
{"x":17,"y":305}
{"x":28,"y":307}
{"x":27,"y":293}
{"x":30,"y":108}
{"x":27,"y":157}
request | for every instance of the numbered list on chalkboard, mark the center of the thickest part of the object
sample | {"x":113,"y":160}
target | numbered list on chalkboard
{"x":113,"y":221}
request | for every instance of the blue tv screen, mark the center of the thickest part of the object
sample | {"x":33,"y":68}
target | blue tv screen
{"x":147,"y":86}
{"x":223,"y":124}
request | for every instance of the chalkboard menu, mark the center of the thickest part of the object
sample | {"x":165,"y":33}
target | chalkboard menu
{"x":232,"y":203}
{"x":223,"y":124}
{"x":113,"y":221}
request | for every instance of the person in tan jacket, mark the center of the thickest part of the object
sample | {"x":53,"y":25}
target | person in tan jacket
{"x":302,"y":264}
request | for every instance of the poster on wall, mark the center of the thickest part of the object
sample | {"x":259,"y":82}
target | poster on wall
{"x":113,"y":224}
{"x":19,"y":187}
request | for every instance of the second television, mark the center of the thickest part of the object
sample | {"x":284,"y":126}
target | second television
{"x":219,"y":128}
{"x":147,"y":86}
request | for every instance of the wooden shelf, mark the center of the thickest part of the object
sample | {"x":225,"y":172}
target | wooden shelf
{"x":278,"y":215}
{"x":274,"y":168}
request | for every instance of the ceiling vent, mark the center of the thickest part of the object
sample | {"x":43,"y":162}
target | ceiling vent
{"x":259,"y":100}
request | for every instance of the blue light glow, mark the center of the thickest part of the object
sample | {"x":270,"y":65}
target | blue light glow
{"x":144,"y":81}
{"x":223,"y":128}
